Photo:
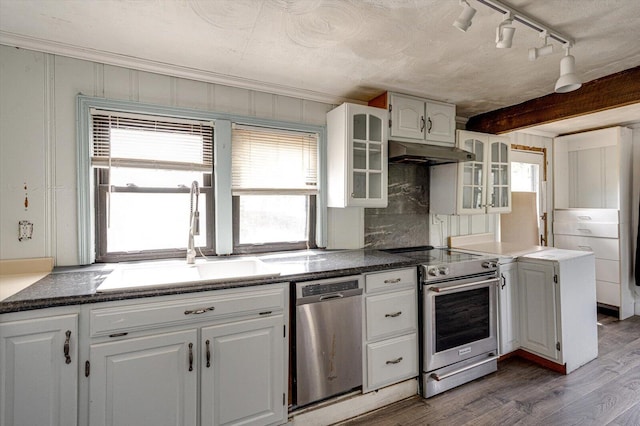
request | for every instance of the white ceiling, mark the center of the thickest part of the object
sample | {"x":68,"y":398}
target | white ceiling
{"x":335,"y":50}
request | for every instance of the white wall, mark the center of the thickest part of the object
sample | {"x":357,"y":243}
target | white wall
{"x":38,"y":135}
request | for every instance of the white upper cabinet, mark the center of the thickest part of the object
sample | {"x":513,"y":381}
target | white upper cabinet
{"x":474,"y":187}
{"x":357,"y":156}
{"x":593,"y":169}
{"x":421,"y":120}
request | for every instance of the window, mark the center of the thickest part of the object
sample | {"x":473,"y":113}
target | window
{"x":143,"y":169}
{"x":274,"y":188}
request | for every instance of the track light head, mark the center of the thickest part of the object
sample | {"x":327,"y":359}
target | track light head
{"x":568,"y":80}
{"x":464,"y":20}
{"x":505,"y":32}
{"x":544,"y":50}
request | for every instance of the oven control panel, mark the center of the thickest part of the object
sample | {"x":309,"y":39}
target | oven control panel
{"x":457,"y":270}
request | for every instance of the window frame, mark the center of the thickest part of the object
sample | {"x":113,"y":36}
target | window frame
{"x":222,"y":219}
{"x":275,"y":246}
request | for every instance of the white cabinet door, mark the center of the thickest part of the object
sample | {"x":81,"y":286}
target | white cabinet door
{"x":38,"y":374}
{"x":538,"y":328}
{"x":149,"y":380}
{"x":472,"y":175}
{"x":498,"y":163}
{"x":441,"y":123}
{"x":244,"y":382}
{"x":509,"y":321}
{"x":407,"y":117}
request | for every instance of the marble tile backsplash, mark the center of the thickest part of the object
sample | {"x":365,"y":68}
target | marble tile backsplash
{"x":405,"y":221}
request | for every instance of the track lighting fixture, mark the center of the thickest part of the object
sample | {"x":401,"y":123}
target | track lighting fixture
{"x":568,"y":80}
{"x":464,"y":20}
{"x":544,"y":50}
{"x":504,"y":32}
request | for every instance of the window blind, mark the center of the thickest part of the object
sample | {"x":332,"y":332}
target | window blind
{"x":144,"y":141}
{"x":273,"y":161}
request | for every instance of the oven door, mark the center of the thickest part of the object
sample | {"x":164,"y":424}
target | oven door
{"x":459,"y":319}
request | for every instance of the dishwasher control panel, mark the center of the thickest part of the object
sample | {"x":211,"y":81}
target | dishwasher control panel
{"x":318,"y":289}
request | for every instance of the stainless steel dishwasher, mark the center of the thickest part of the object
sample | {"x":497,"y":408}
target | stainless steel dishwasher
{"x":328,"y":338}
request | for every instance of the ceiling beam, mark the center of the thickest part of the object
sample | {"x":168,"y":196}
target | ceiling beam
{"x":612,"y":91}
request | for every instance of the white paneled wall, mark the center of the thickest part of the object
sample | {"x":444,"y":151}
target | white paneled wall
{"x":38,"y":135}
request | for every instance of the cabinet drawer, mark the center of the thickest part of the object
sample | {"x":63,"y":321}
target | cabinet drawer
{"x":212,"y":306}
{"x":389,"y":280}
{"x":586,"y":215}
{"x":391,"y":313}
{"x":608,"y":293}
{"x":392,"y":360}
{"x":602,"y":248}
{"x":608,"y":270}
{"x":587,"y":229}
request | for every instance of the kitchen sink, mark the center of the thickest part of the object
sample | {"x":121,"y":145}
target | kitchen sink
{"x":154,"y":274}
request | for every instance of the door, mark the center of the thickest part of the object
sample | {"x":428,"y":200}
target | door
{"x":149,"y":380}
{"x":368,"y":180}
{"x":499,"y":188}
{"x":243,"y":373}
{"x":39,"y":371}
{"x":472,"y":176}
{"x":528,"y":174}
{"x":538,"y":331}
{"x":407,"y":117}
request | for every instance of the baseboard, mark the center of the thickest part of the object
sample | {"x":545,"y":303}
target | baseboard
{"x":562,"y":369}
{"x":343,"y":408}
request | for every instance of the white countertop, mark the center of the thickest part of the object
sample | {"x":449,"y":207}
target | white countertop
{"x":485,"y":243}
{"x":18,"y":274}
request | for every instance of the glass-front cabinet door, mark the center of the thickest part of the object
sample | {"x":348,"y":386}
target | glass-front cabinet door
{"x":357,"y":156}
{"x":368,"y":168}
{"x":472,"y":179}
{"x":500,"y":178}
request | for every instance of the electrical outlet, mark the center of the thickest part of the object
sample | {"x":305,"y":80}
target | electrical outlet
{"x":25,"y":230}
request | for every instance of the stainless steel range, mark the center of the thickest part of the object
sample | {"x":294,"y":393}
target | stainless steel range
{"x":459,"y":314}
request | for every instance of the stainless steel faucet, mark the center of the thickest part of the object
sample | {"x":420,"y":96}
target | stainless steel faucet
{"x":194,"y":222}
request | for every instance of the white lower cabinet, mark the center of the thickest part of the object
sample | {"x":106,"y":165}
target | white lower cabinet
{"x":148,"y":380}
{"x":538,"y":309}
{"x":390,"y":328}
{"x":219,"y":358}
{"x":39,"y":370}
{"x":242,"y":373}
{"x":558,"y":317}
{"x":508,"y":300}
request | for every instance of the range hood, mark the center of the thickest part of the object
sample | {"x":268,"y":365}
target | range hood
{"x":407,"y":152}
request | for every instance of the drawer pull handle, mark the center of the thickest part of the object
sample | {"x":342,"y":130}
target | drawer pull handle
{"x":587,"y":248}
{"x":393,"y":315}
{"x":394,"y":361}
{"x":199,"y":311}
{"x":190,"y":356}
{"x":393,"y":281}
{"x":585,"y":230}
{"x":67,"y":343}
{"x":584,"y":217}
{"x":208,"y":353}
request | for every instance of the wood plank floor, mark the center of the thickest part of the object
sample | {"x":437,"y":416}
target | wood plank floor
{"x":606,"y":391}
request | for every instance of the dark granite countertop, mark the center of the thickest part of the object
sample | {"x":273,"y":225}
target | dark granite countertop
{"x":77,"y":285}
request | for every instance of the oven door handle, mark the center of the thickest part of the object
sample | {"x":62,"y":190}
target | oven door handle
{"x":439,"y":377}
{"x":459,"y":286}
